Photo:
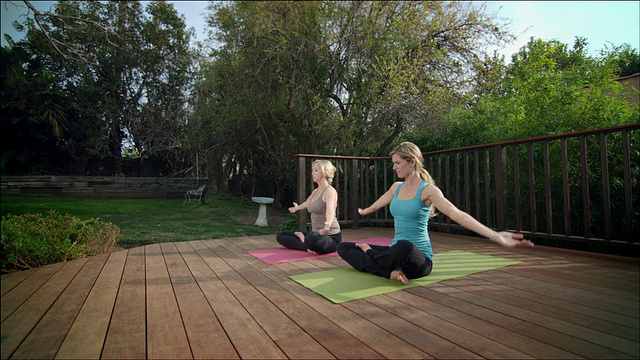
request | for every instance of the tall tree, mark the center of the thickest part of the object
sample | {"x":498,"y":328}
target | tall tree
{"x":548,"y":88}
{"x":339,"y":77}
{"x":125,"y":68}
{"x":33,"y":120}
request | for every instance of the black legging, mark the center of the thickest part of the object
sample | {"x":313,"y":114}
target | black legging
{"x":320,"y":244}
{"x":382,"y":260}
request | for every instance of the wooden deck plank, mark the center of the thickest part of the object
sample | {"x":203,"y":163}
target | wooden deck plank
{"x":290,"y":338}
{"x":45,"y":339}
{"x":547,"y":316}
{"x":481,"y":345}
{"x":562,"y":300}
{"x":601,"y":300}
{"x":20,"y":323}
{"x":505,"y":336}
{"x":206,"y":336}
{"x":86,"y":337}
{"x":203,"y":275}
{"x":309,"y":316}
{"x":166,"y":336}
{"x":556,"y":309}
{"x":527,"y":324}
{"x":246,"y":335}
{"x":127,"y":334}
{"x":335,"y":339}
{"x":210,"y":299}
{"x":588,"y":283}
{"x":365,"y":334}
{"x":377,"y":311}
{"x":11,"y":280}
{"x":24,"y":290}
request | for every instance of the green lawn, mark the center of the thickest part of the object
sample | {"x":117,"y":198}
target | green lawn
{"x":148,"y":221}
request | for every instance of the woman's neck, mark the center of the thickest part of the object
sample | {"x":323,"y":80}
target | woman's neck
{"x":322,"y":184}
{"x":412,"y":179}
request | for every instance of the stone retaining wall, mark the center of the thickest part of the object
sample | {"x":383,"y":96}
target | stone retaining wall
{"x":99,"y":186}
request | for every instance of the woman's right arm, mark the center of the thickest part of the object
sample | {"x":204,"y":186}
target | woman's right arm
{"x":382,"y":201}
{"x":297,"y":207}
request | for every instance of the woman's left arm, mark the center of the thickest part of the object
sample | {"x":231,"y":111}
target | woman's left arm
{"x":434,"y":195}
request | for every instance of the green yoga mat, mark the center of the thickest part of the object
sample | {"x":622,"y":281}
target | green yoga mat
{"x":346,"y":284}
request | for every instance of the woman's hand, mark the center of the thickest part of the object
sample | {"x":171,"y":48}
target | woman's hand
{"x":509,"y":239}
{"x":364,"y":247}
{"x":323,"y":232}
{"x":361,"y":212}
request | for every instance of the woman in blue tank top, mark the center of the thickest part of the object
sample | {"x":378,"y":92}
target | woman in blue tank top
{"x":412,"y":202}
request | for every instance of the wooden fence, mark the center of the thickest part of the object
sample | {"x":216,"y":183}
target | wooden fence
{"x":578,"y":187}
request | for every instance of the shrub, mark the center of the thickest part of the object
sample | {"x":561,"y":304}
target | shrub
{"x":34,"y":240}
{"x":289,"y":224}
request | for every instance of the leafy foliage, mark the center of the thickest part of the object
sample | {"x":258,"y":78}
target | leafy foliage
{"x":34,"y":240}
{"x":118,"y":74}
{"x":327,"y":77}
{"x":548,"y":88}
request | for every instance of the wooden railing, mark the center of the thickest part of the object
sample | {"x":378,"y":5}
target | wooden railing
{"x":577,"y":187}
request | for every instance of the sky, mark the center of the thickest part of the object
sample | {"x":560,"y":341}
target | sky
{"x":602,"y":23}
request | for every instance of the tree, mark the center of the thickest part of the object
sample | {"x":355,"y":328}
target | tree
{"x":548,"y":88}
{"x":126,"y":69}
{"x":33,"y":118}
{"x":336,"y":77}
{"x":624,"y":58}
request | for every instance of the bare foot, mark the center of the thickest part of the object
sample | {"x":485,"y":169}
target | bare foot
{"x":364,"y":247}
{"x":399,"y":275}
{"x":300,"y":235}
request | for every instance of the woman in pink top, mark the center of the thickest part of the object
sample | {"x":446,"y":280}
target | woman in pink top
{"x":322,"y":205}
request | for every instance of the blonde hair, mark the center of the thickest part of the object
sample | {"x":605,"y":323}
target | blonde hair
{"x":409,"y":151}
{"x":327,"y":168}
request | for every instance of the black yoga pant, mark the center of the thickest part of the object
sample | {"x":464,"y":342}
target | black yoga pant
{"x":321,"y":244}
{"x":382,"y":260}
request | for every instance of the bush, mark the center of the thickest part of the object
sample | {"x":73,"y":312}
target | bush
{"x":34,"y":240}
{"x":290,"y":224}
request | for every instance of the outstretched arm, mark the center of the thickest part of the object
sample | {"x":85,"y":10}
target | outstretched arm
{"x":434,"y":195}
{"x":382,"y":201}
{"x":297,"y":207}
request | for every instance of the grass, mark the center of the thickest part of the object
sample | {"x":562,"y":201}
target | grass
{"x":149,"y":221}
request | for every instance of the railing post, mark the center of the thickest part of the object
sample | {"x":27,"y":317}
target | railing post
{"x":354,"y":194}
{"x":628,"y":204}
{"x":584,"y":170}
{"x":302,"y":184}
{"x":500,"y":171}
{"x":606,"y":195}
{"x":547,"y":187}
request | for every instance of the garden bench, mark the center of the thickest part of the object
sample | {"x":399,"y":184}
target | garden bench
{"x":196,"y":193}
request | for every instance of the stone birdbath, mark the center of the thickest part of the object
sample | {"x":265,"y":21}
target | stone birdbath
{"x":262,"y":212}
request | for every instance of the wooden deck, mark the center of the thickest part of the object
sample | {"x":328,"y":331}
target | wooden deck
{"x":209,"y":299}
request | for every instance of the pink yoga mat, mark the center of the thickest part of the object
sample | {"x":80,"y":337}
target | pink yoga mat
{"x":282,"y":255}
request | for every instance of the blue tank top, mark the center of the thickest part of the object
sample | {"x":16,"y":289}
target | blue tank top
{"x":411,"y":220}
